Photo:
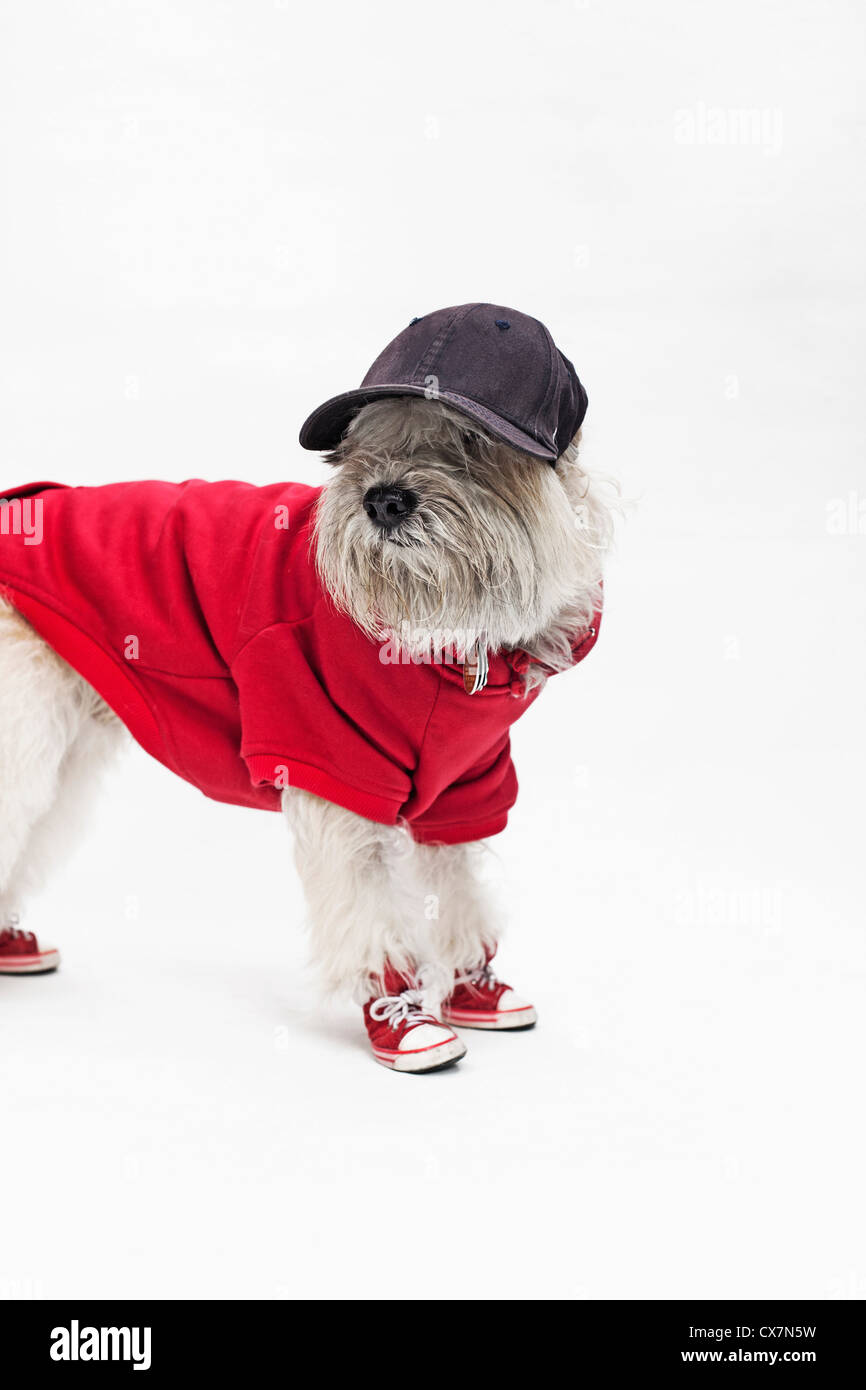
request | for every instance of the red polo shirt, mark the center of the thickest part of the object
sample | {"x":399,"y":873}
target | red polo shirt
{"x":195,"y":610}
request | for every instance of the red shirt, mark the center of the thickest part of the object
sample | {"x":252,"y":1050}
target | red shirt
{"x":195,"y":610}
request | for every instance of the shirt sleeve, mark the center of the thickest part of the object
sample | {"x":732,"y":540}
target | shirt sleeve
{"x":294,"y":734}
{"x":472,"y":807}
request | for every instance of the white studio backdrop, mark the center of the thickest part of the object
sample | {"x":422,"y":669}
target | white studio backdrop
{"x":215,"y":214}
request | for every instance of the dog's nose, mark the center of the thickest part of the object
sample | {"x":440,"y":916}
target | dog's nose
{"x":388,"y":506}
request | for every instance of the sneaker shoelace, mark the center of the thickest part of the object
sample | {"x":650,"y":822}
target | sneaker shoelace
{"x":479,"y":979}
{"x":396,"y":1009}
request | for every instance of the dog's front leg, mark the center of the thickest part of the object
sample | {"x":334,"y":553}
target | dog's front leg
{"x":370,"y":931}
{"x":376,"y":898}
{"x":404,"y":927}
{"x":366,"y":909}
{"x":460,"y":946}
{"x":460,"y":929}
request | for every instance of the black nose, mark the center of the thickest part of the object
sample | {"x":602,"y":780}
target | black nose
{"x":388,"y":506}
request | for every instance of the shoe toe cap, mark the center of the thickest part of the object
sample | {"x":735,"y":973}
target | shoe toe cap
{"x":425,"y":1035}
{"x":510,"y":1002}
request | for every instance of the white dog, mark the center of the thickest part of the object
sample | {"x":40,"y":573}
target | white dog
{"x":454,"y":563}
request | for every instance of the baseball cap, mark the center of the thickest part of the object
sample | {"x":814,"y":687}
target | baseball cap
{"x":495,"y":365}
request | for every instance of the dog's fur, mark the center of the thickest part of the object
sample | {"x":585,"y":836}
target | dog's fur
{"x":501,"y":547}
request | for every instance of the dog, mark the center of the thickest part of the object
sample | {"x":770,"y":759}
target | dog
{"x":352,"y":656}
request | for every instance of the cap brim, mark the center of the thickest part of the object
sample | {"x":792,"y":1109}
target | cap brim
{"x":328,"y":423}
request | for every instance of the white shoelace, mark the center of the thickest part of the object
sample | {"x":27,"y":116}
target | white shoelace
{"x":481,"y":978}
{"x":395,"y":1009}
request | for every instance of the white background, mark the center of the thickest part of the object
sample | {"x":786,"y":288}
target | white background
{"x":215,"y":216}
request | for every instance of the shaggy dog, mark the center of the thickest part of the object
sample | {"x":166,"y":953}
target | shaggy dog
{"x":429,"y":524}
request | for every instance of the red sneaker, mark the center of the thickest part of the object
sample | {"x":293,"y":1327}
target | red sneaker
{"x":403,"y":1036}
{"x":20,"y":954}
{"x":479,"y":1000}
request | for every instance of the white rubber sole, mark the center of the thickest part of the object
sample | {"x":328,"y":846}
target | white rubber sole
{"x":511,"y":1018}
{"x":443,"y":1054}
{"x":31,"y":965}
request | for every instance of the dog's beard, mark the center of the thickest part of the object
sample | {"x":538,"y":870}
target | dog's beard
{"x":492,"y":551}
{"x":486,"y":575}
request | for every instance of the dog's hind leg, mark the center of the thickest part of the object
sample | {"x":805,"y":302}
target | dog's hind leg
{"x":62,"y":828}
{"x":51,"y":722}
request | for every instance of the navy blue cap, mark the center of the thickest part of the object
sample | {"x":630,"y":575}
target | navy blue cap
{"x":493,"y":364}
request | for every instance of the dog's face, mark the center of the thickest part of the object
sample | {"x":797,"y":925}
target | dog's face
{"x":430,"y":523}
